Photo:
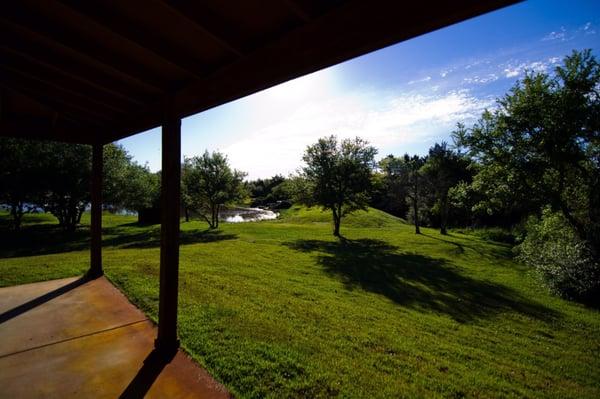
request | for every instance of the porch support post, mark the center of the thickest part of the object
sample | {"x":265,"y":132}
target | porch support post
{"x":96,"y":216}
{"x":167,"y":342}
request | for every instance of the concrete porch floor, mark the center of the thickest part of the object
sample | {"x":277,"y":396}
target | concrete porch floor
{"x":82,"y":338}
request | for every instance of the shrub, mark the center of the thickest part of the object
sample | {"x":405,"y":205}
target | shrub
{"x":564,"y":262}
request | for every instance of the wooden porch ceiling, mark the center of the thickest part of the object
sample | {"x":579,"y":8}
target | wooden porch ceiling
{"x":96,"y":71}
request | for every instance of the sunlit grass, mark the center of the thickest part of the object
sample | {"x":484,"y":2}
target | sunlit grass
{"x":283,"y":309}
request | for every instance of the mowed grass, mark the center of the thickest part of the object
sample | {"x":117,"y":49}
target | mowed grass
{"x":283,"y":309}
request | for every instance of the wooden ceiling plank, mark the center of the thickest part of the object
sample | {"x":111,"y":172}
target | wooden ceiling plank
{"x":62,"y":88}
{"x":297,"y":10}
{"x":44,"y":104}
{"x":53,"y":36}
{"x":67,"y":71}
{"x":35,"y":130}
{"x":65,"y":83}
{"x":60,"y":105}
{"x":159,"y":49}
{"x":184,"y":12}
{"x":85,"y":59}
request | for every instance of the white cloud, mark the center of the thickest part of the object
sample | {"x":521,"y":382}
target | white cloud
{"x":556,"y":35}
{"x":588,"y":29}
{"x":425,"y":79}
{"x":564,"y":35}
{"x":445,"y":72}
{"x":385,"y":123}
{"x":513,"y":70}
{"x":490,"y":77}
{"x":554,"y":60}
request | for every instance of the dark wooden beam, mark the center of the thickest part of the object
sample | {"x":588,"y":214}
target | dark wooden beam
{"x":96,"y":213}
{"x":61,"y":83}
{"x":62,"y":54}
{"x":58,"y":35}
{"x":297,"y":10}
{"x":67,"y":70}
{"x":188,"y":12}
{"x":167,"y":341}
{"x":66,"y":104}
{"x":104,"y":18}
{"x":43,"y":130}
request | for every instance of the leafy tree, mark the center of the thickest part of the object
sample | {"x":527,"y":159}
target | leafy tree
{"x":19,"y":177}
{"x":127,"y":185}
{"x":387,"y":193}
{"x":543,"y":143}
{"x":339,"y":175}
{"x":66,"y":177}
{"x":210,"y":183}
{"x":444,"y":169}
{"x":406,"y":172}
{"x":265,"y":191}
{"x":296,"y":188}
{"x":56,"y":177}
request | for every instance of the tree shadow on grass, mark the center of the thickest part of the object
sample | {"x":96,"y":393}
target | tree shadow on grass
{"x":500,"y":250}
{"x":417,"y":281}
{"x":151,"y":238}
{"x":44,"y":239}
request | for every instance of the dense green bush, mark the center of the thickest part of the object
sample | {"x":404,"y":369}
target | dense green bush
{"x":564,"y":262}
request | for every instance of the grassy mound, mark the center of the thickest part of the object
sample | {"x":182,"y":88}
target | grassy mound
{"x":365,"y":219}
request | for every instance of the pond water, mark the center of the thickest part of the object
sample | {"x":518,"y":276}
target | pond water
{"x":242,"y":215}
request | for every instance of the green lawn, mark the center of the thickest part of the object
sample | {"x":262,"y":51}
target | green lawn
{"x":282,"y":309}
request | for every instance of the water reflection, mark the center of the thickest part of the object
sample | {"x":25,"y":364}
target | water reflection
{"x":241,"y":215}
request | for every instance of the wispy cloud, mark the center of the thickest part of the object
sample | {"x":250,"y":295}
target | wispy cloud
{"x":564,"y":34}
{"x":488,"y":78}
{"x":556,"y":35}
{"x":512,"y":69}
{"x":423,"y":80}
{"x":448,"y":71}
{"x":588,"y":29}
{"x":397,"y":120}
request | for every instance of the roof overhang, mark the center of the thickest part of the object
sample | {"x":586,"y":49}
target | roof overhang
{"x":97,"y":71}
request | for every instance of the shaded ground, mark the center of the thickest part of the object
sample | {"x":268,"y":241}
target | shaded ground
{"x":418,"y":281}
{"x":46,"y":239}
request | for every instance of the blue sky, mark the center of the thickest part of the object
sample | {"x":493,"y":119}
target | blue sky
{"x":401,"y":99}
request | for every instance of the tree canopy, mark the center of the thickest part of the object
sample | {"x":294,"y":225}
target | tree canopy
{"x":209,"y":184}
{"x":340,"y":175}
{"x":542,"y":144}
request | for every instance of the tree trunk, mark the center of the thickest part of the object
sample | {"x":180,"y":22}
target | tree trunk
{"x":217,"y":215}
{"x":186,"y":212}
{"x":416,"y":203}
{"x":444,"y":216}
{"x":16,"y":210}
{"x":336,"y":222}
{"x":416,"y":215}
{"x":212,"y":216}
